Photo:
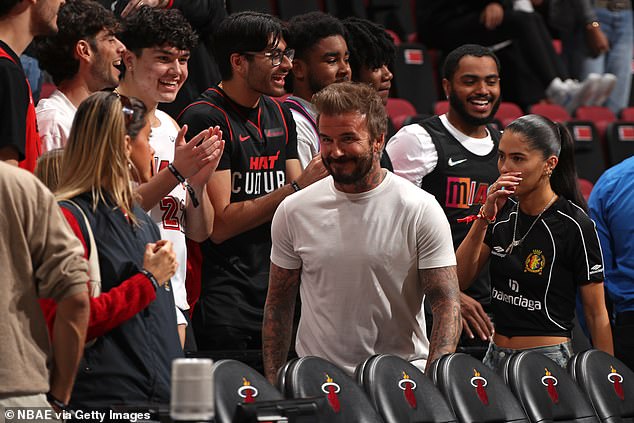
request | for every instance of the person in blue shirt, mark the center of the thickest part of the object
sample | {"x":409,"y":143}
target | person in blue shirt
{"x":612,"y":208}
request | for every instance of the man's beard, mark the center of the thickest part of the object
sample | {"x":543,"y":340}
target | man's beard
{"x":460,"y":108}
{"x":363,"y":167}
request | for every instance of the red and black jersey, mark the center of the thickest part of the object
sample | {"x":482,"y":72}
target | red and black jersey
{"x":259,"y":141}
{"x":18,"y":124}
{"x":535,"y":286}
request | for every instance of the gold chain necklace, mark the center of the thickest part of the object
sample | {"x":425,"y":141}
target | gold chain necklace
{"x":515,"y":243}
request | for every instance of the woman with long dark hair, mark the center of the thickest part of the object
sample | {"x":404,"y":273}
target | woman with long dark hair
{"x":542,"y":245}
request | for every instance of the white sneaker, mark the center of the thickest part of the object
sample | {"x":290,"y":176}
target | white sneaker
{"x":557,"y":92}
{"x":606,"y":86}
{"x":580,"y":93}
{"x":594,"y":81}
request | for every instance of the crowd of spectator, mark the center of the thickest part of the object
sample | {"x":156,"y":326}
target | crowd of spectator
{"x":202,"y":171}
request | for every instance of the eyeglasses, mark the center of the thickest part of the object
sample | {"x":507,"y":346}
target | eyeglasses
{"x":276,"y":55}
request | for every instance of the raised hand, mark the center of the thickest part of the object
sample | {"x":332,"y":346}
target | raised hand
{"x":500,"y":191}
{"x":213,"y":152}
{"x":160,"y":260}
{"x":190,"y":157}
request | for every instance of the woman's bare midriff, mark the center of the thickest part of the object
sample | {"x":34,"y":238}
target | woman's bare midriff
{"x":523,"y":342}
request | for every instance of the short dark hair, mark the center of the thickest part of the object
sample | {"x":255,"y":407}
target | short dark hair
{"x":453,"y":58}
{"x":350,"y":97}
{"x":7,"y":5}
{"x":151,"y":27}
{"x":304,"y":31}
{"x":245,"y":31}
{"x":77,"y":20}
{"x":370,"y":46}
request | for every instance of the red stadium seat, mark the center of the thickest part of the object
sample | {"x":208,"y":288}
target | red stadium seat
{"x":586,"y":187}
{"x":628,"y":114}
{"x":508,"y":112}
{"x":441,"y":107}
{"x":399,"y":109}
{"x":600,"y":116}
{"x":554,"y":112}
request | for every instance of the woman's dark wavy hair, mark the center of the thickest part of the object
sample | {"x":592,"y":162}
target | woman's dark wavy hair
{"x":369,"y":45}
{"x":77,"y":20}
{"x":552,"y":139}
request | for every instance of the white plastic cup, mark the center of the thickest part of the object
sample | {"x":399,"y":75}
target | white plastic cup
{"x":192,"y":390}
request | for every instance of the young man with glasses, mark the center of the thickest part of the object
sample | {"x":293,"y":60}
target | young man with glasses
{"x":258,"y":169}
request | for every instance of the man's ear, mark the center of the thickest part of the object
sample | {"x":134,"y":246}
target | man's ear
{"x":128,"y":59}
{"x":377,"y":146}
{"x":299,"y":69}
{"x":446,"y":87}
{"x":83,"y":51}
{"x":239,"y":63}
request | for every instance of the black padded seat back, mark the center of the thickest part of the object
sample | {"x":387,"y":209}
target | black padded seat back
{"x":314,"y":377}
{"x":474,"y":392}
{"x":620,"y":138}
{"x":401,"y":392}
{"x":607,"y":382}
{"x":235,"y":382}
{"x":545,"y":389}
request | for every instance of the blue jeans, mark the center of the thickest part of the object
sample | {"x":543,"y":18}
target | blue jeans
{"x":617,"y":26}
{"x":559,"y":353}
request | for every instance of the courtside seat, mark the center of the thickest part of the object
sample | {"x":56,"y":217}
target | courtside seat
{"x":234,"y":383}
{"x":620,"y":141}
{"x":343,"y":400}
{"x":599,"y":115}
{"x":475,"y":393}
{"x":401,"y":392}
{"x":607,"y":382}
{"x":589,"y":152}
{"x":414,"y":76}
{"x":545,"y":390}
{"x":554,"y":112}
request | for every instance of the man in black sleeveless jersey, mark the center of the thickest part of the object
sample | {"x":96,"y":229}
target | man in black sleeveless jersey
{"x":454,"y":157}
{"x":258,"y":169}
{"x":20,"y":21}
{"x":321,"y":58}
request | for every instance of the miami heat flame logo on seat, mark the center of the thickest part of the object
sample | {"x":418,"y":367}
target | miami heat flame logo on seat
{"x":617,"y":380}
{"x":408,"y":386}
{"x":332,"y":389}
{"x":550,"y":381}
{"x":479,"y":383}
{"x":247,"y":391}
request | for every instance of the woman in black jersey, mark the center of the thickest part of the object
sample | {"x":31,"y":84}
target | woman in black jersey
{"x":542,"y":246}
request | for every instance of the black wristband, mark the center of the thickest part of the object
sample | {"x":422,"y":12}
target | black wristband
{"x":54,"y":401}
{"x":151,"y":277}
{"x":295,"y":186}
{"x":176,"y":173}
{"x":182,"y":180}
